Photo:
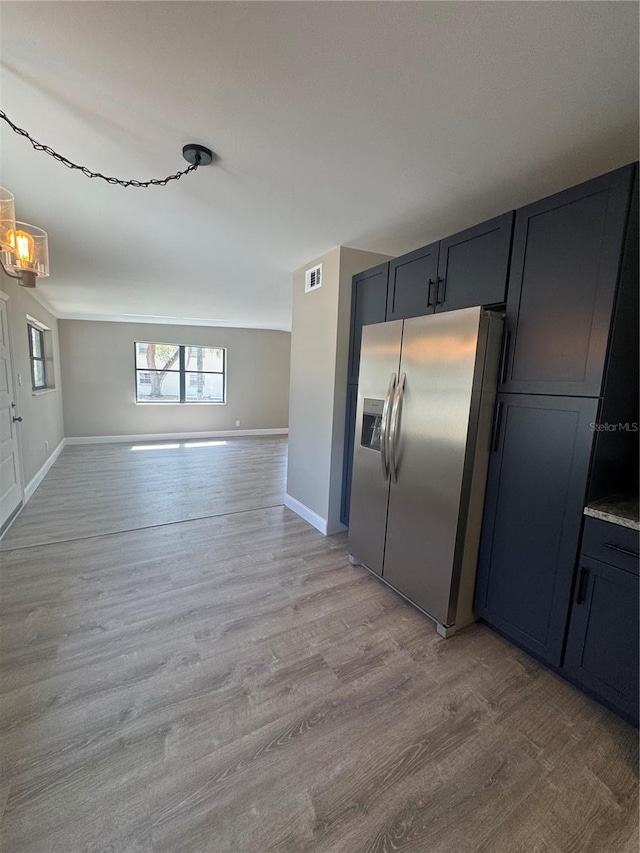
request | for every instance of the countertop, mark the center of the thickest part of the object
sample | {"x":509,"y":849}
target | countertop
{"x":618,"y":509}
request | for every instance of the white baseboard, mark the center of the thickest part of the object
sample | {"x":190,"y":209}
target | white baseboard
{"x":309,"y":515}
{"x":35,"y":481}
{"x":172,"y":436}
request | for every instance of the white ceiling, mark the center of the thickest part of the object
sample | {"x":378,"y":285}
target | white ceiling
{"x":375,"y":125}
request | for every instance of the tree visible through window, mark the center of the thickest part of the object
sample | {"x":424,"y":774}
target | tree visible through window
{"x":171,"y":373}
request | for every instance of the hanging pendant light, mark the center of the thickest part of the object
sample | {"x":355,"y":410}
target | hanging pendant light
{"x":7,"y":219}
{"x":24,"y":248}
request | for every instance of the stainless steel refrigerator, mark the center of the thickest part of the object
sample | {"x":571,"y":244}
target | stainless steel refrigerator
{"x":423,"y":433}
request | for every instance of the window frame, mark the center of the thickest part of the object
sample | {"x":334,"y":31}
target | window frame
{"x":182,"y":375}
{"x":34,"y":359}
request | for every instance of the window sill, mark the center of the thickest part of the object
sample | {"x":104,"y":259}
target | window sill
{"x":43,"y":391}
{"x":139,"y":403}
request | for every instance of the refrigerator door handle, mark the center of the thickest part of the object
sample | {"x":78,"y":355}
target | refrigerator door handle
{"x":393,"y":428}
{"x":384,"y":431}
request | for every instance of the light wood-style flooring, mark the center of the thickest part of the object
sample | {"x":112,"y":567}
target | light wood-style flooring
{"x":230,"y":684}
{"x":108,"y":488}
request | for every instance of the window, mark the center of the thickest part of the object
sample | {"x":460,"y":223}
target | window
{"x":37,"y":357}
{"x":171,"y":373}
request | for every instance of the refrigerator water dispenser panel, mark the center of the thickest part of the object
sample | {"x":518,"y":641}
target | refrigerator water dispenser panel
{"x":372,"y":424}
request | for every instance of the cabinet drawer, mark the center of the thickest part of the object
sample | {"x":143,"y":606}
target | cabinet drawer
{"x":610,"y":543}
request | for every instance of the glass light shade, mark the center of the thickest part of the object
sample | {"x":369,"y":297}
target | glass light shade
{"x":7,"y":218}
{"x":28,"y":250}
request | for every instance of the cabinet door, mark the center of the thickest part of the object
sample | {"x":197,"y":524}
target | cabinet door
{"x":564,"y":270}
{"x":602,"y":644}
{"x":368,"y":305}
{"x":349,"y":436}
{"x":413,"y":283}
{"x":474,"y":265}
{"x":533,"y":514}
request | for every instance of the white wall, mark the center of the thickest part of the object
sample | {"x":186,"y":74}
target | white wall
{"x":317,"y":397}
{"x":41,"y":412}
{"x":99,"y":383}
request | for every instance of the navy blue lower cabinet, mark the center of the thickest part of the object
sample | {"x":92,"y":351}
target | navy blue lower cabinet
{"x":538,"y":471}
{"x":602,"y":642}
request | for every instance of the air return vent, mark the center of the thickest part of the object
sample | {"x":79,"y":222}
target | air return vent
{"x":313,"y":278}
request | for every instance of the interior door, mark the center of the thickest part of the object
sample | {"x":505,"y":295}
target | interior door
{"x":10,"y":478}
{"x":438,"y":359}
{"x":379,"y":360}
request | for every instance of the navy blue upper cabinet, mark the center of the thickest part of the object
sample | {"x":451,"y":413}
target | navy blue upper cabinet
{"x":368,"y":305}
{"x":566,"y":259}
{"x":413,"y":283}
{"x":533,"y":514}
{"x":474,"y":265}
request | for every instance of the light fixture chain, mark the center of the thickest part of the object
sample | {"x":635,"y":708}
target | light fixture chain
{"x":154,"y":182}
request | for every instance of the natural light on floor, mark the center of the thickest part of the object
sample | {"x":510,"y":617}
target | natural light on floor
{"x":177,"y":445}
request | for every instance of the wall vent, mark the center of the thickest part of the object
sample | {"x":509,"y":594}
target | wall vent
{"x":313,"y":278}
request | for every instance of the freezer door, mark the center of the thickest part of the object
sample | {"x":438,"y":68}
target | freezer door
{"x":430,"y":426}
{"x":379,"y":360}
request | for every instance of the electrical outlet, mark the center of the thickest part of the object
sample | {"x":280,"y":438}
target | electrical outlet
{"x":237,"y":423}
{"x":19,"y":379}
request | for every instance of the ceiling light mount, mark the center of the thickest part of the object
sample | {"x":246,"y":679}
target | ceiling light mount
{"x":24,"y":249}
{"x":197,"y":154}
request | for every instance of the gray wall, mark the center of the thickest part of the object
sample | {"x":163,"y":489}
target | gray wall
{"x":319,"y":355}
{"x":99,"y":385}
{"x":41,"y":412}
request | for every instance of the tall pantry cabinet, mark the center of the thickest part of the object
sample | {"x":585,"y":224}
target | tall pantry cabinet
{"x":571,"y":277}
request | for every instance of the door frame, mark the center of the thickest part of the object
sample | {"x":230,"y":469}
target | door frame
{"x":7,"y":300}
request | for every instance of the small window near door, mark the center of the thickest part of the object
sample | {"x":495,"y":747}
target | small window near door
{"x":37,"y":357}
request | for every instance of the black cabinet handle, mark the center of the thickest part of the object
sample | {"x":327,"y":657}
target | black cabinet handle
{"x":497,"y":423}
{"x":505,"y":357}
{"x":582,"y":585}
{"x":621,"y":550}
{"x":440,"y":299}
{"x":430,"y":293}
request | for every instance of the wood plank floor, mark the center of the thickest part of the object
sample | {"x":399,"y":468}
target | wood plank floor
{"x":106,"y":488}
{"x":232,"y":685}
